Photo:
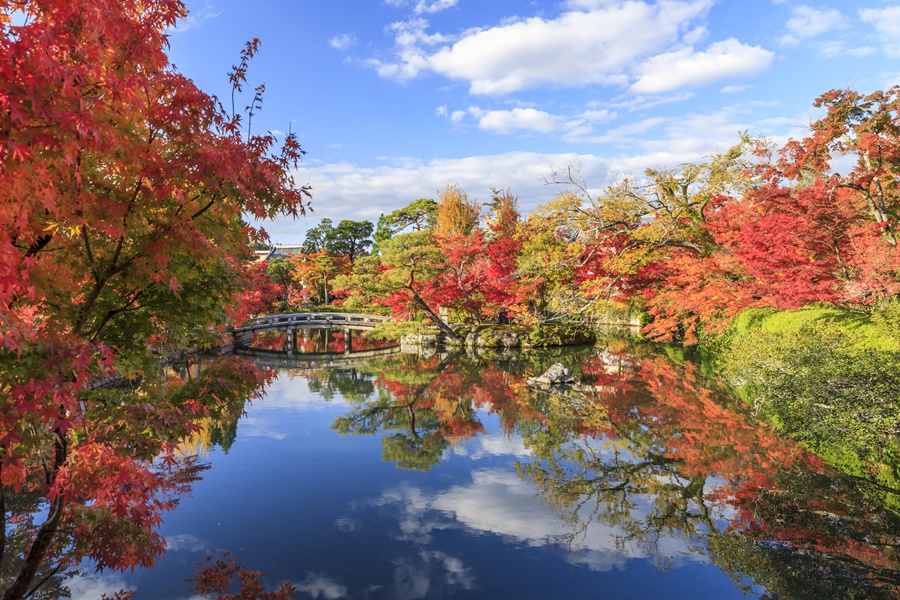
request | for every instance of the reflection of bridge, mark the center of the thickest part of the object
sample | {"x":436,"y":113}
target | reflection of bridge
{"x":286,"y":360}
{"x":243,"y":335}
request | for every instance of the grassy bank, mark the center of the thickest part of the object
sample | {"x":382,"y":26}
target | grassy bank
{"x":828,"y":378}
{"x":860,"y":331}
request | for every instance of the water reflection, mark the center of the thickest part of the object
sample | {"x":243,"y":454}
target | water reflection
{"x":314,"y":341}
{"x":415,"y":477}
{"x":94,"y":500}
{"x":645,"y":460}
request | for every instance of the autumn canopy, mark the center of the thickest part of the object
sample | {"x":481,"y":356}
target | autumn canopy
{"x":122,"y":191}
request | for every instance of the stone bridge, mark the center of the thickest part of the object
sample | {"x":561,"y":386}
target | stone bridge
{"x":243,"y":335}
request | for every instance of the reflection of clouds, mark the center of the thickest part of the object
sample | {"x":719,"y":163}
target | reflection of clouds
{"x":346,"y":524}
{"x":423,"y":575}
{"x":500,"y":503}
{"x":186,"y":542}
{"x":456,"y":573}
{"x":91,"y":588}
{"x":411,"y":580}
{"x":254,"y":426}
{"x":291,"y":390}
{"x":415,"y":526}
{"x":320,"y":586}
{"x":498,"y":445}
{"x":720,"y":509}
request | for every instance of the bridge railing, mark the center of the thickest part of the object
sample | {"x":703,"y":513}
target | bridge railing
{"x":301,"y":319}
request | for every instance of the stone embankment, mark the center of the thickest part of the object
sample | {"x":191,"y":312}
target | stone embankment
{"x":506,"y":336}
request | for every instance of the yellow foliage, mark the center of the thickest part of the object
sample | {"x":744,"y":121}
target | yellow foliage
{"x":456,"y":215}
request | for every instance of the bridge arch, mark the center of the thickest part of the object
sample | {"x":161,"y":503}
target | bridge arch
{"x":243,"y":335}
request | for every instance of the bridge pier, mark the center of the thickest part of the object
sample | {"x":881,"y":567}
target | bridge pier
{"x":292,"y":341}
{"x":348,"y":341}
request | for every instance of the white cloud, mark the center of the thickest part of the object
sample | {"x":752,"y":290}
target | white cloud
{"x":347,"y":524}
{"x":735,"y":89}
{"x":353,"y":191}
{"x":668,"y":142}
{"x":577,"y":48}
{"x":424,"y":6}
{"x":685,"y":67}
{"x":350,"y":191}
{"x":695,"y":36}
{"x":807,"y":22}
{"x":343,"y":41}
{"x":412,"y":579}
{"x":569,"y":127}
{"x":441,"y":111}
{"x":409,"y":56}
{"x":518,"y":119}
{"x":253,"y":426}
{"x":642,"y":102}
{"x":598,"y":116}
{"x":196,"y":18}
{"x":456,"y":573}
{"x":430,"y":574}
{"x":886,"y":22}
{"x":595,"y":42}
{"x":835,"y":48}
{"x":415,"y":526}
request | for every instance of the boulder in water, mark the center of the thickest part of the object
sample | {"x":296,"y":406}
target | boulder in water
{"x":557,"y":374}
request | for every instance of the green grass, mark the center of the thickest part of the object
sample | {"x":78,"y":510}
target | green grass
{"x":863,"y":332}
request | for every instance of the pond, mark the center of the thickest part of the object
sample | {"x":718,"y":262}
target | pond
{"x":448,"y":476}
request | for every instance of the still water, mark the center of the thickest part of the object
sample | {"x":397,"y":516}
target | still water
{"x":448,"y":476}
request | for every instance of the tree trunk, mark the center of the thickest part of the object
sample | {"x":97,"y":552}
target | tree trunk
{"x":20,"y":588}
{"x":445,"y":329}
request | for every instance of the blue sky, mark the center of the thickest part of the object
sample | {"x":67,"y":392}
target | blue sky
{"x":394,"y":99}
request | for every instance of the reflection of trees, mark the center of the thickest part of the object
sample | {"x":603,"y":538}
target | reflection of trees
{"x":118,"y":533}
{"x":811,"y":536}
{"x":270,"y":340}
{"x":649,"y":450}
{"x":590,"y":468}
{"x":417,"y":408}
{"x":122,"y":472}
{"x":676,"y":452}
{"x":221,"y":432}
{"x":350,"y":384}
{"x":423,"y":405}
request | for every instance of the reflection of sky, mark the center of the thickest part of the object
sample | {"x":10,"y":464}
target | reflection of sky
{"x":290,"y":391}
{"x":320,"y":586}
{"x":299,"y":502}
{"x":498,"y":502}
{"x":186,"y":542}
{"x":493,"y":445}
{"x":91,"y":588}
